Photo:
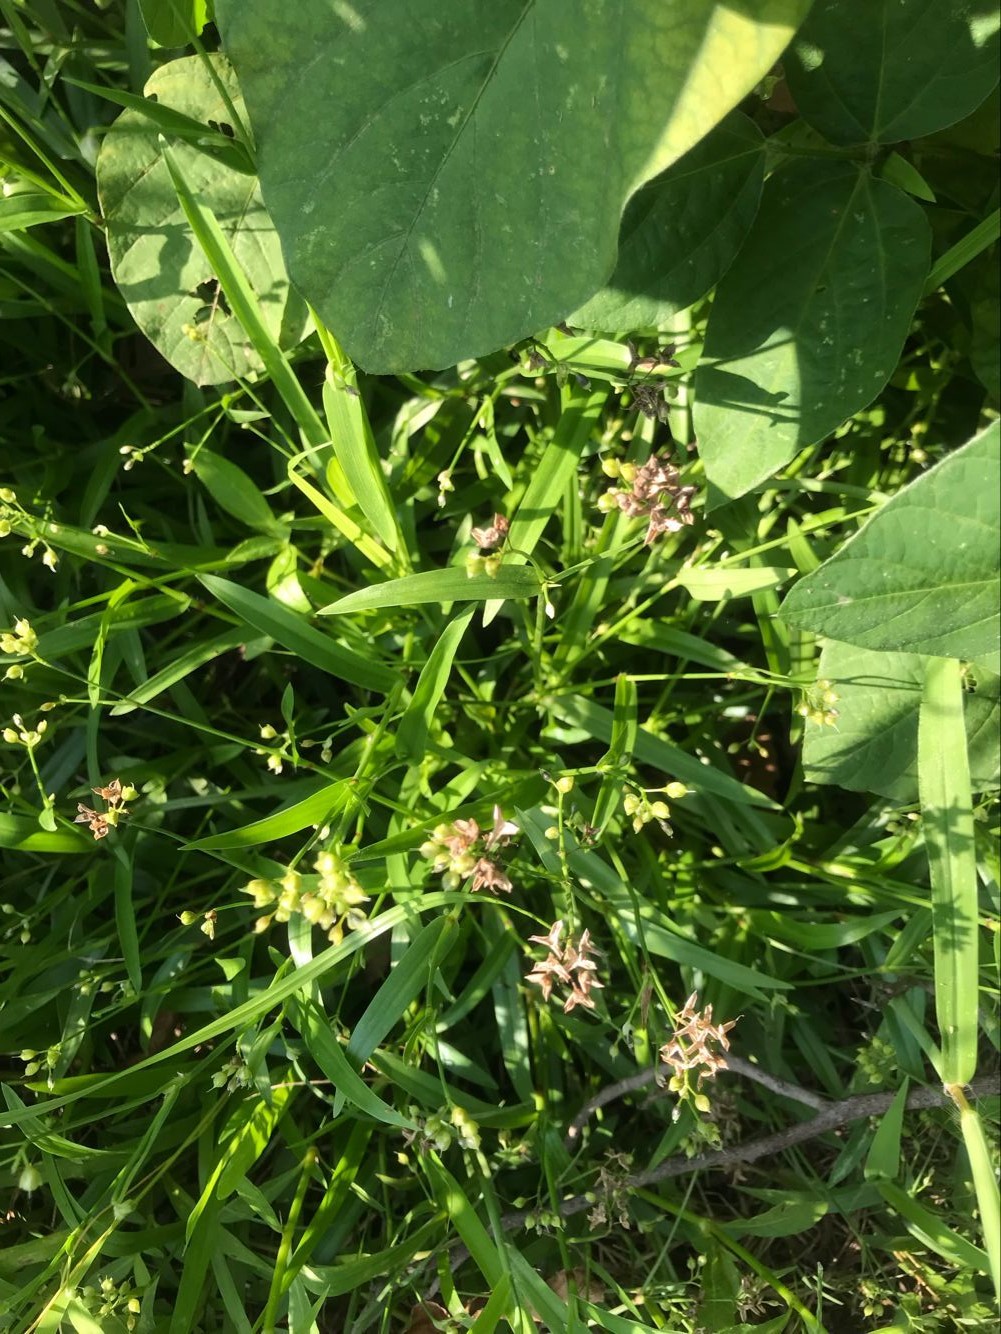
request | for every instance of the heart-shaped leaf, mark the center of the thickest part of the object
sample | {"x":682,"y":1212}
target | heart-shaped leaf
{"x":681,"y":232}
{"x":808,"y":323}
{"x":892,"y":69}
{"x":873,"y":746}
{"x":159,"y":267}
{"x":450,"y":178}
{"x":922,"y":576}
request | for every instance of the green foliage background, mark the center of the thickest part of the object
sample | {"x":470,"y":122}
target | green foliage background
{"x":293,"y":302}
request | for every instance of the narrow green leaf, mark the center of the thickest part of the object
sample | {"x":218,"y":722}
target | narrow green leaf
{"x":256,"y":319}
{"x":883,"y":1159}
{"x":299,"y":637}
{"x":461,"y":1214}
{"x":451,"y":584}
{"x":312,"y":810}
{"x":718,"y":584}
{"x":410,"y":975}
{"x":412,"y":733}
{"x":231,"y":488}
{"x":985,"y":1184}
{"x":932,"y":1231}
{"x":28,"y":208}
{"x":23,"y":834}
{"x":125,"y":918}
{"x":668,"y":759}
{"x":329,"y":1055}
{"x":183,"y":665}
{"x":947,"y":821}
{"x":354,"y":449}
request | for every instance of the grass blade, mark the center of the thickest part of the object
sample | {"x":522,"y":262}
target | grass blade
{"x":947,"y":814}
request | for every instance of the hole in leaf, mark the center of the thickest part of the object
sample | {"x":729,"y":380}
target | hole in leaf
{"x":222,"y":128}
{"x":210,"y":292}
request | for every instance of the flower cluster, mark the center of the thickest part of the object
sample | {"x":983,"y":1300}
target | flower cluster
{"x":331,"y":899}
{"x":10,"y":513}
{"x":641,"y":810}
{"x":694,"y":1050}
{"x":652,"y":491}
{"x":114,"y":796}
{"x":817,"y":704}
{"x":568,"y":964}
{"x":461,"y":850}
{"x":117,"y":1303}
{"x":19,"y":642}
{"x":23,"y":735}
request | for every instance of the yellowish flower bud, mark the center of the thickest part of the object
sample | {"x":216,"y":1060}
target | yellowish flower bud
{"x":675,"y":791}
{"x":565,"y":784}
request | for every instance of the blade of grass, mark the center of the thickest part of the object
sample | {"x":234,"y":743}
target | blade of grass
{"x":299,"y":637}
{"x":947,"y":818}
{"x":243,"y":303}
{"x":451,"y":584}
{"x":412,"y":733}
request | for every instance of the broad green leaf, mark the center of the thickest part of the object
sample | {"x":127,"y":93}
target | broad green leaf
{"x":947,"y":823}
{"x":922,"y":576}
{"x":873,"y":746}
{"x":166,"y":281}
{"x":985,"y":334}
{"x":312,"y":810}
{"x":446,"y":197}
{"x":888,"y":70}
{"x":808,"y":323}
{"x":451,"y":584}
{"x":681,"y":231}
{"x":299,"y":637}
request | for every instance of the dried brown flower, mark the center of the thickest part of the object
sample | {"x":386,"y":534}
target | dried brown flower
{"x":99,"y":825}
{"x":694,"y":1045}
{"x":488,"y":875}
{"x":493,"y":535}
{"x":654,"y":492}
{"x":566,"y":963}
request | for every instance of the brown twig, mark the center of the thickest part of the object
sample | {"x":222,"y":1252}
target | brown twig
{"x":645,"y":1077}
{"x":830,"y":1116}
